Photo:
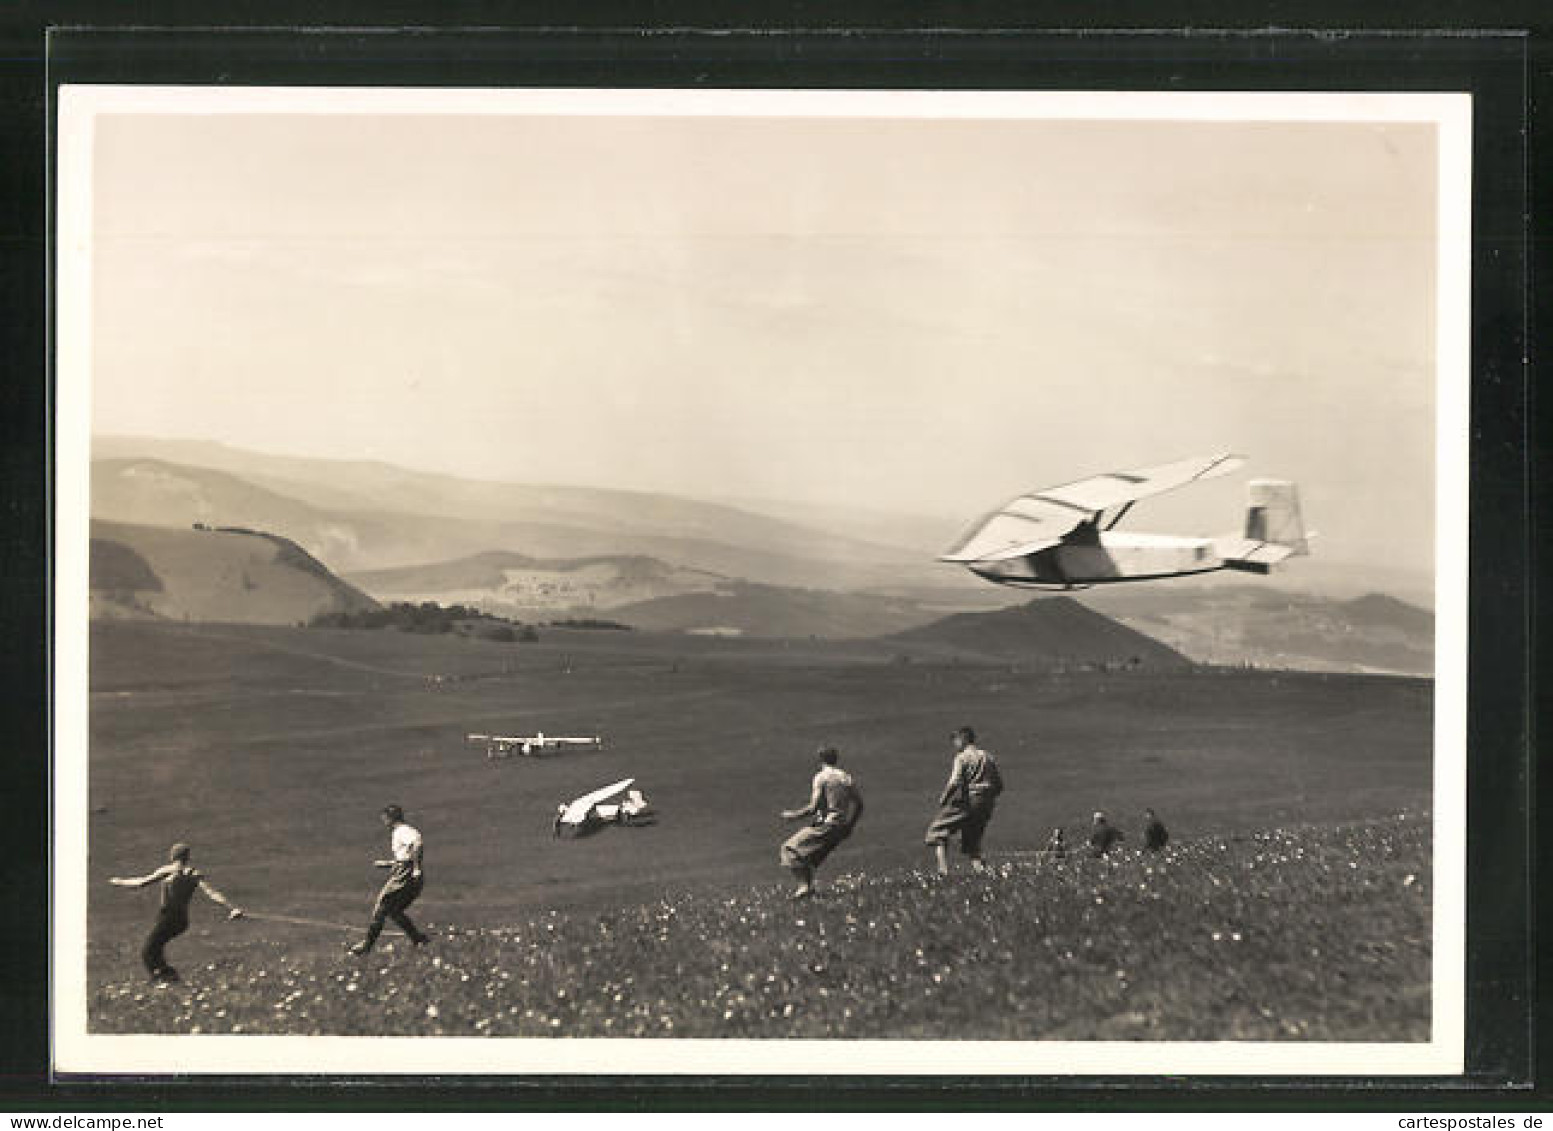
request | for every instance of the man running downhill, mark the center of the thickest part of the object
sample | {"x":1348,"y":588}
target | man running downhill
{"x":965,"y":806}
{"x":405,"y":880}
{"x":835,"y":803}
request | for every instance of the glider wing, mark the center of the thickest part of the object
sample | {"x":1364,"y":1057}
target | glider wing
{"x":578,"y":810}
{"x":1101,"y":492}
{"x":1043,"y":518}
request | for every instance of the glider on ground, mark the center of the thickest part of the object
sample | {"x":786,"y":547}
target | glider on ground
{"x":1065,"y":538}
{"x":616,"y":804}
{"x":529,"y":745}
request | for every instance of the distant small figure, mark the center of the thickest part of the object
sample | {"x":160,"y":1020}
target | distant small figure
{"x":179,"y":883}
{"x":835,"y":804}
{"x":1103,"y":836}
{"x":1155,"y":835}
{"x":406,"y":878}
{"x":1056,"y":846}
{"x":966,"y":803}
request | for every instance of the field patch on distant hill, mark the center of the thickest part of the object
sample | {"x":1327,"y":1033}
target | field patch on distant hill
{"x":740,"y":608}
{"x":528,"y":588}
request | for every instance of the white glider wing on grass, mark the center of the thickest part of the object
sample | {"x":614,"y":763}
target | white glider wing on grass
{"x":577,"y":812}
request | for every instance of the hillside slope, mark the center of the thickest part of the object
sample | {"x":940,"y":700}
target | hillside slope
{"x":1051,"y":631}
{"x":1295,"y":934}
{"x":238,"y":577}
{"x":1235,"y":624}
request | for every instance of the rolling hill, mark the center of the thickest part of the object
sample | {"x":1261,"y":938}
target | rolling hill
{"x":1049,"y":632}
{"x":240,"y":577}
{"x":1278,"y":628}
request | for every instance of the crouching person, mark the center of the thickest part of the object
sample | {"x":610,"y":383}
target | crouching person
{"x":835,"y":804}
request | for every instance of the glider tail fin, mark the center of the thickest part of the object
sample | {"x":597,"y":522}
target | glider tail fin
{"x":1274,"y":515}
{"x":1274,"y":529}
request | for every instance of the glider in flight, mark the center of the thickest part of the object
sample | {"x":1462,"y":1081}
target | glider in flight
{"x":1064,"y":537}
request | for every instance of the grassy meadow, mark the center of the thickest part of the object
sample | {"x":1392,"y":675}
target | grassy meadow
{"x":1289,"y":934}
{"x":1298,"y":802}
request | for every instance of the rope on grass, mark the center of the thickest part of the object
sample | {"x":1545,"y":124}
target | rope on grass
{"x":301,"y":922}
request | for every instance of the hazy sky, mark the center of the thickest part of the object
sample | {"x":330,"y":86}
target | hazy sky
{"x":922,"y":316}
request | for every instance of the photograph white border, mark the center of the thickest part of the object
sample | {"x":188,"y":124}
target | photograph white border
{"x":75,"y":1050}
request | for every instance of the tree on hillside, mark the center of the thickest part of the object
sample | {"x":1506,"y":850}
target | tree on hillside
{"x":428,"y":618}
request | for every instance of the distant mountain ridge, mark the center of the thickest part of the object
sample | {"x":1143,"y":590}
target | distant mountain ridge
{"x":540,"y":552}
{"x":368,"y":516}
{"x":374,"y":487}
{"x":209,"y":574}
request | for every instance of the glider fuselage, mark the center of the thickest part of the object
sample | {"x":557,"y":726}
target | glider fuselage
{"x":1094,"y":557}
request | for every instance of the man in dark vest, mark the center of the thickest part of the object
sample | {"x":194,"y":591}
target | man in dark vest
{"x":1155,"y":835}
{"x":1103,"y":836}
{"x":179,"y":883}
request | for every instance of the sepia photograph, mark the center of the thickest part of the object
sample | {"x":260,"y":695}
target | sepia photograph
{"x":764,"y":581}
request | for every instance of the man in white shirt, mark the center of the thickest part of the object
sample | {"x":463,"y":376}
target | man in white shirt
{"x":405,"y":880}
